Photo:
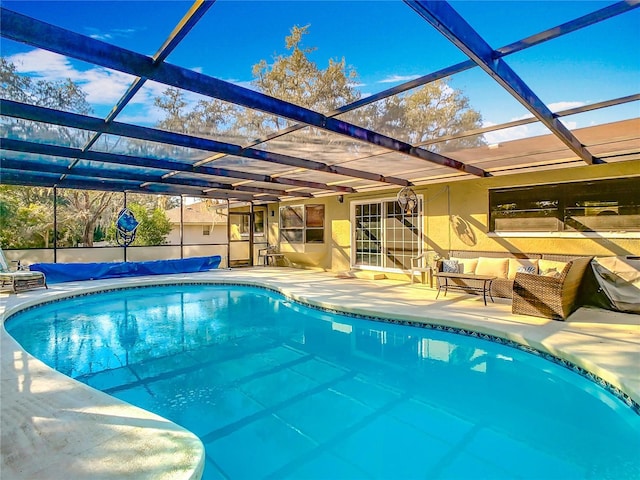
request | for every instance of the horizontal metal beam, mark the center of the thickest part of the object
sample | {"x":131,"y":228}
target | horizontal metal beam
{"x":96,"y":173}
{"x":49,"y":37}
{"x":448,"y":22}
{"x":168,"y":165}
{"x":84,"y":122}
{"x":163,"y":166}
{"x":42,"y":179}
{"x":527,"y":121}
{"x":46,"y":179}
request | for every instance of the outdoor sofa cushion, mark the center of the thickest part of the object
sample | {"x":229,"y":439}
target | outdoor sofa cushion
{"x":494,"y":267}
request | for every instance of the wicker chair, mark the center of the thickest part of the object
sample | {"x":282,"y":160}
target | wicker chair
{"x":549,"y":297}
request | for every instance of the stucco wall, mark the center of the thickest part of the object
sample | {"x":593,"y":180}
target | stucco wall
{"x":456,"y":218}
{"x":466,"y":204}
{"x":192,"y":234}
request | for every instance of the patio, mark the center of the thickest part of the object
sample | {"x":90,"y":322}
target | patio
{"x":78,"y":431}
{"x":532,"y":160}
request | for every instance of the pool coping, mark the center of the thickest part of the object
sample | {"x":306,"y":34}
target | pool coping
{"x":298,"y":288}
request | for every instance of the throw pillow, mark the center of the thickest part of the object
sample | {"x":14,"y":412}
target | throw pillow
{"x":550,"y":265}
{"x":466,"y":265}
{"x":450,"y":266}
{"x":516,"y":263}
{"x":527,"y":269}
{"x":550,"y":272}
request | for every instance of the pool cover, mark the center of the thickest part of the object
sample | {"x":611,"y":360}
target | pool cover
{"x":69,"y":272}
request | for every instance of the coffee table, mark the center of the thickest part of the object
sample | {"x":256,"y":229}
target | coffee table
{"x":483,"y":283}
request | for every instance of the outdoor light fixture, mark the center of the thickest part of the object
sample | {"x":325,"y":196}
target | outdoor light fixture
{"x":340,"y":198}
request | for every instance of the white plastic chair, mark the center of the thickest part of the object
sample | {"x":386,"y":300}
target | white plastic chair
{"x":420,"y":265}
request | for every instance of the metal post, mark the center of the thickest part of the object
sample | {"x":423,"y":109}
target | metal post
{"x":125,"y":246}
{"x":181,"y":226}
{"x":251,"y":222}
{"x":228,"y":236}
{"x":55,"y":225}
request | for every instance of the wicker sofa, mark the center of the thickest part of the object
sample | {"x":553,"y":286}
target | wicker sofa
{"x":550,"y":289}
{"x":501,"y":265}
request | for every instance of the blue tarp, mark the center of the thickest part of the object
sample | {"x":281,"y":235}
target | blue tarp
{"x":69,"y":272}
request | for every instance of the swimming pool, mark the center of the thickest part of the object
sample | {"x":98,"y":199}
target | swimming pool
{"x":278,"y":390}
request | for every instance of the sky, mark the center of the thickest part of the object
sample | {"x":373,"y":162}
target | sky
{"x":386,"y":42}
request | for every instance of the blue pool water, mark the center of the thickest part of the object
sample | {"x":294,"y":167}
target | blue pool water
{"x":278,"y":390}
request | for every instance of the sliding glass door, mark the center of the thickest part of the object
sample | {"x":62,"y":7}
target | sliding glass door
{"x":384,"y":235}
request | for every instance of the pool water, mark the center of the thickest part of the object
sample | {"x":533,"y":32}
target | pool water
{"x":278,"y":390}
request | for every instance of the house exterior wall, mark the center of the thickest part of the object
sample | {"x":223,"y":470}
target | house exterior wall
{"x":448,"y":206}
{"x":193,"y":235}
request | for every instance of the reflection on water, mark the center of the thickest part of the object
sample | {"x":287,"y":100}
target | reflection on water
{"x":328,"y":396}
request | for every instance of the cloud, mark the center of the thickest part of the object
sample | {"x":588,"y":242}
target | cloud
{"x":559,"y":106}
{"x":508,"y":134}
{"x":110,"y":35}
{"x":146,"y":115}
{"x":148,"y":92}
{"x":102,"y":86}
{"x":513,"y":133}
{"x":532,"y":129}
{"x":398,"y":78}
{"x":45,"y":64}
{"x":241,"y":83}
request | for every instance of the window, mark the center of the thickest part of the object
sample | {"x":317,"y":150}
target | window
{"x":593,"y":206}
{"x":314,"y":222}
{"x":302,"y":224}
{"x":258,"y":223}
{"x":385,"y":235}
{"x":206,"y":230}
{"x":244,"y":225}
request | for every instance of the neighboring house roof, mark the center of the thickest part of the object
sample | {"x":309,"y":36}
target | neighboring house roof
{"x":200,"y":213}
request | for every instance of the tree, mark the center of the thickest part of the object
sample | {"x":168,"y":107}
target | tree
{"x":430,"y":112}
{"x":62,"y":95}
{"x":8,"y":212}
{"x":153,"y":224}
{"x":26,"y":217}
{"x":296,"y":79}
{"x":79,"y":211}
{"x":293,"y":78}
{"x":35,"y":225}
{"x":84,"y":210}
{"x":173,"y":103}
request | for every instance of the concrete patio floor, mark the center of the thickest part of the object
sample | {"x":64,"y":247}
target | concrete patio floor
{"x":54,"y":427}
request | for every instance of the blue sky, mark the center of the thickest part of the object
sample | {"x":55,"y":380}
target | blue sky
{"x":385,"y":41}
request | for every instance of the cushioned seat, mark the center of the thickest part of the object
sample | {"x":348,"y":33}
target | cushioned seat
{"x":552,"y":293}
{"x":20,"y":279}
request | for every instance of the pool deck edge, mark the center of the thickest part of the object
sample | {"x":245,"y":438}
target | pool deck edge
{"x":51,"y":423}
